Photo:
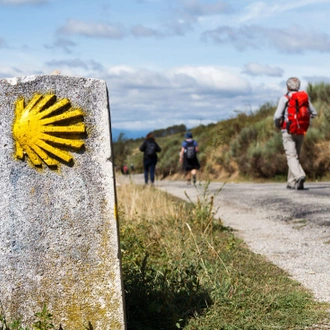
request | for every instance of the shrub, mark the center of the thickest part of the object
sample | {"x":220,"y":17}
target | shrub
{"x":268,"y":160}
{"x":169,"y":158}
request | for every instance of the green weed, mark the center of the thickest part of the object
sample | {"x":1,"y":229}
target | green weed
{"x":44,"y":321}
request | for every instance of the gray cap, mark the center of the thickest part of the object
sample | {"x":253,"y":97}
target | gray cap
{"x":293,"y":84}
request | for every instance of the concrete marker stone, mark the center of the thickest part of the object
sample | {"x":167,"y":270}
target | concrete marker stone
{"x":59,"y":241}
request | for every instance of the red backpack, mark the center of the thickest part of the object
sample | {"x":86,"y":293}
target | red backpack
{"x":298,"y":113}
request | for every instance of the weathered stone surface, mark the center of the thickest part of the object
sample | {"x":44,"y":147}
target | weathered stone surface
{"x":59,"y":233}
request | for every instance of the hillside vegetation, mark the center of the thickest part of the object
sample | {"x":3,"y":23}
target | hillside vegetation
{"x":246,"y":146}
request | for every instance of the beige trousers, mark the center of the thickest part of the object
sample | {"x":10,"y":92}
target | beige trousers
{"x":292,"y":144}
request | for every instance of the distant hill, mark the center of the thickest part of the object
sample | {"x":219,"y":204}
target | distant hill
{"x":129,"y":134}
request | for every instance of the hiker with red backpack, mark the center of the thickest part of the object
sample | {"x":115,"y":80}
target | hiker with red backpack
{"x":292,"y":116}
{"x":188,"y":158}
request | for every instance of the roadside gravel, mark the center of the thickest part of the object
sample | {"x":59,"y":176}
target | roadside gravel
{"x":296,"y":241}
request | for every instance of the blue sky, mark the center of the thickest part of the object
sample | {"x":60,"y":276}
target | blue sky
{"x":169,"y":62}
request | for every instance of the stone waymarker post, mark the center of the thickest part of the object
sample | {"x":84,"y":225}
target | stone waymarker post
{"x":59,"y":234}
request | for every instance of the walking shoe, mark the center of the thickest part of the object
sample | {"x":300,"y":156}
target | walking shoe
{"x":300,"y":183}
{"x":290,"y":187}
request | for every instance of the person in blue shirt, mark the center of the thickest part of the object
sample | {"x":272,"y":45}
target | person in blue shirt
{"x":188,"y":158}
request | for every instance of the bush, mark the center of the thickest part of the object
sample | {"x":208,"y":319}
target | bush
{"x":169,"y":158}
{"x":268,"y":160}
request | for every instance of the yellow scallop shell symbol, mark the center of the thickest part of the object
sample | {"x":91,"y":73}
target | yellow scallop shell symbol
{"x":46,"y":129}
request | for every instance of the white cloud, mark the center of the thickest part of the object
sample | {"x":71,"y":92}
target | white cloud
{"x":263,"y":10}
{"x":61,"y":43}
{"x":188,"y":95}
{"x":212,"y":78}
{"x":121,"y":69}
{"x":188,"y":80}
{"x":71,"y":65}
{"x":287,"y":40}
{"x":74,"y":63}
{"x":178,"y":27}
{"x":298,"y":40}
{"x":317,"y":79}
{"x":196,"y":8}
{"x":142,"y":31}
{"x":9,"y":72}
{"x":255,"y":69}
{"x":137,"y":79}
{"x":186,"y":14}
{"x":150,"y":99}
{"x":92,"y":29}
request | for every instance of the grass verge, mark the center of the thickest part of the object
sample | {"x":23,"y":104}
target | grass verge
{"x":183,"y":269}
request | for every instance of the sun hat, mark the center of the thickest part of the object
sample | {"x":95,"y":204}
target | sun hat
{"x":188,"y":135}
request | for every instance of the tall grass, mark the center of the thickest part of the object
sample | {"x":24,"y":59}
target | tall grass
{"x":183,"y":269}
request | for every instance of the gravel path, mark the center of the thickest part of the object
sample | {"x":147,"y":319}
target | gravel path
{"x":297,"y":241}
{"x":303,"y":251}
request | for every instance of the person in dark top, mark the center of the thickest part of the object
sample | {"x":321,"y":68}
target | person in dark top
{"x":188,"y":157}
{"x":150,"y":148}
